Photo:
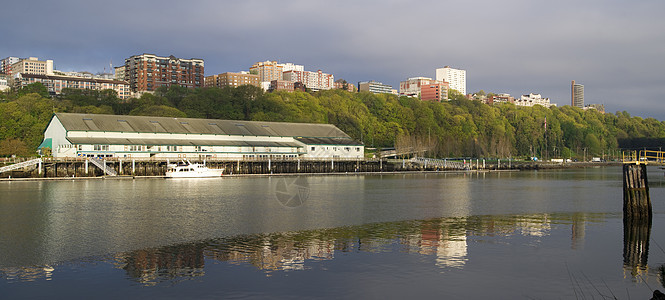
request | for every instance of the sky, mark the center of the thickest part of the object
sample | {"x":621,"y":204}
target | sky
{"x":616,"y":49}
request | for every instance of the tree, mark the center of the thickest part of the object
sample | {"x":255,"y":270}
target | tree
{"x":158,"y":111}
{"x":12,"y":146}
{"x":36,"y":87}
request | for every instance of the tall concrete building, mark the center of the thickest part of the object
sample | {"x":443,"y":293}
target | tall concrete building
{"x":147,"y":72}
{"x":455,"y":77}
{"x":577,"y":95}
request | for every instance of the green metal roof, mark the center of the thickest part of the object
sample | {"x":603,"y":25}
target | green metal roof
{"x":143,"y":124}
{"x":177,"y":142}
{"x":47,"y":143}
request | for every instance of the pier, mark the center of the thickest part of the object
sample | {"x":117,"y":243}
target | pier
{"x":110,"y":167}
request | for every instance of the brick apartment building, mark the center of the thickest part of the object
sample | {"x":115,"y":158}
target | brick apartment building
{"x":232,"y":79}
{"x":435,"y":91}
{"x":147,"y":72}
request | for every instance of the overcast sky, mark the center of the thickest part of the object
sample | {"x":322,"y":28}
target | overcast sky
{"x":615,"y":48}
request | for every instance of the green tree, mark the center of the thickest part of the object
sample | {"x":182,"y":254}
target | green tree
{"x":12,"y":146}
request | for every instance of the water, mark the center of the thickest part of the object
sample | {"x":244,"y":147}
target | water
{"x":544,"y":234}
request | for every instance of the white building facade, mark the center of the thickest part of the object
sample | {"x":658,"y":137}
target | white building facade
{"x":455,"y":77}
{"x":533,"y":99}
{"x":374,"y":87}
{"x":315,"y":81}
{"x":90,"y":135}
{"x":55,"y":84}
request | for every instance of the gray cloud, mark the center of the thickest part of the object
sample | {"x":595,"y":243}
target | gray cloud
{"x":615,"y":48}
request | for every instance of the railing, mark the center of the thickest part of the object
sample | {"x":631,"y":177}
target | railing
{"x":441,"y":163}
{"x":100,"y":164}
{"x":643,"y":157}
{"x":20,"y":165}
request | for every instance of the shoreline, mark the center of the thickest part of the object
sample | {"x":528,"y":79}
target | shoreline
{"x":405,"y":172}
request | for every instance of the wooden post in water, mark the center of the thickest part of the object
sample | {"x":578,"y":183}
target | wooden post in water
{"x":636,"y":218}
{"x":636,"y":200}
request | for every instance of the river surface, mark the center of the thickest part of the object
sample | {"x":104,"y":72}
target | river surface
{"x":556,"y":234}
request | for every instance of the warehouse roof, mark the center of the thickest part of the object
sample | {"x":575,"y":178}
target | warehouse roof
{"x":145,"y":124}
{"x":177,"y":142}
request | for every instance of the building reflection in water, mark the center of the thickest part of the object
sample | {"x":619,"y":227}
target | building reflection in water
{"x":577,"y":231}
{"x":444,"y":239}
{"x":27,"y":273}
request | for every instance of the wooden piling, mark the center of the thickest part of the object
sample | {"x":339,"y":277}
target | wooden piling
{"x":636,"y":200}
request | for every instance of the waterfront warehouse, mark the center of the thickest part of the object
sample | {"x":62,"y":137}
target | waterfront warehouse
{"x":92,"y":135}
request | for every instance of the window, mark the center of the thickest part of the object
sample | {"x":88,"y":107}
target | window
{"x":313,"y":148}
{"x":101,"y":147}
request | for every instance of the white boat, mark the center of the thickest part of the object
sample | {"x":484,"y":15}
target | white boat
{"x":191,"y":170}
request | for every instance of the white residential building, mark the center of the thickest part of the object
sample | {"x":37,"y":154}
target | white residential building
{"x":314,"y":81}
{"x":374,"y":87}
{"x":455,"y":77}
{"x":533,"y":99}
{"x":4,"y":82}
{"x":56,"y":83}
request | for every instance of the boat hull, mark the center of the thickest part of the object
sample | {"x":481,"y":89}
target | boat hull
{"x":195,"y":174}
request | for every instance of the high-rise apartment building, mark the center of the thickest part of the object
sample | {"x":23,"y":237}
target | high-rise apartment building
{"x":455,"y":77}
{"x":314,"y":81}
{"x":232,"y":79}
{"x":6,"y":64}
{"x":271,"y":70}
{"x":32,"y":65}
{"x":374,"y":87}
{"x":147,"y":72}
{"x":119,"y":73}
{"x":576,"y":95}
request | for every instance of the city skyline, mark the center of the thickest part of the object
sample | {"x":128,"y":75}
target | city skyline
{"x":614,"y":49}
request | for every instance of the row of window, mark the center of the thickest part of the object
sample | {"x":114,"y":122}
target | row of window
{"x":142,"y":148}
{"x":335,"y":148}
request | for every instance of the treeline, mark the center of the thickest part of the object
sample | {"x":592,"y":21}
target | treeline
{"x":455,"y":128}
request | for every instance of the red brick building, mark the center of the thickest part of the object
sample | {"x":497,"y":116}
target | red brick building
{"x":435,"y":91}
{"x":147,"y":72}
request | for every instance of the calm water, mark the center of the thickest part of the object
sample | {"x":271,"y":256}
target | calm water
{"x":542,"y":235}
